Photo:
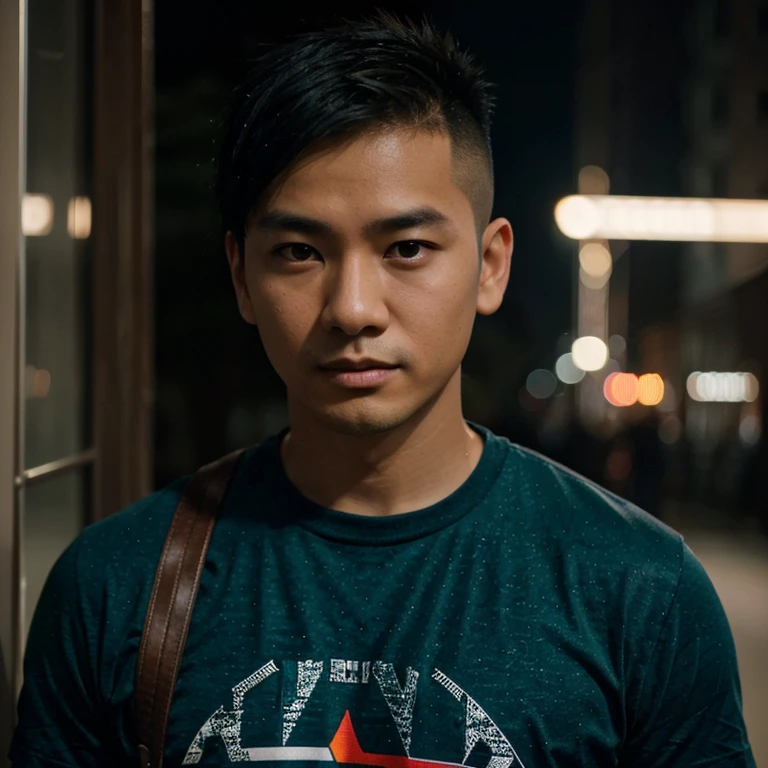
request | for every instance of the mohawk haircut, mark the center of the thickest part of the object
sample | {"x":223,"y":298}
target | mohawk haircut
{"x":377,"y":74}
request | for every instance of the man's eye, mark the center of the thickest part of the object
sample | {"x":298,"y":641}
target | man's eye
{"x":408,"y":249}
{"x":296,"y":251}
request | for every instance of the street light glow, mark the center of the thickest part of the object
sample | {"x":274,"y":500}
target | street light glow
{"x":617,"y":217}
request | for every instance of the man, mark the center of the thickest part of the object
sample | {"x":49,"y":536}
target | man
{"x":386,"y":584}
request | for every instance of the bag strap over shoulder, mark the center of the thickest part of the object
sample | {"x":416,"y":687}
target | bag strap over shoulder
{"x":170,"y":606}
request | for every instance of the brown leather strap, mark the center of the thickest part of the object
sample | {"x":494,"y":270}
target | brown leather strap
{"x":173,"y":598}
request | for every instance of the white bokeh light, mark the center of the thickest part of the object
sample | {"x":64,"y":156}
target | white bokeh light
{"x":578,"y":217}
{"x":589,"y":353}
{"x":36,"y":215}
{"x":566,"y":371}
{"x":722,"y":387}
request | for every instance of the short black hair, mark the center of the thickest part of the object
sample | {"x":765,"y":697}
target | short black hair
{"x":367,"y":75}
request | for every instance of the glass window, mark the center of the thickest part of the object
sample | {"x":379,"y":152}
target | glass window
{"x":57,"y":221}
{"x":54,"y":513}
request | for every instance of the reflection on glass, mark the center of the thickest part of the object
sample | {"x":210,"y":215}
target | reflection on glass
{"x":53,"y":515}
{"x":58,"y":206}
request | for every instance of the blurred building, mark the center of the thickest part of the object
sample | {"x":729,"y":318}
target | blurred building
{"x":724,"y":322}
{"x":75,"y":288}
{"x":673,"y":101}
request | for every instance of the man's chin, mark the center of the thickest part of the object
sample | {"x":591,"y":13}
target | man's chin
{"x":364,"y":422}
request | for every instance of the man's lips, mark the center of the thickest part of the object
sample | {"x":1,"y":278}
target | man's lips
{"x":359,"y":378}
{"x":358,"y":364}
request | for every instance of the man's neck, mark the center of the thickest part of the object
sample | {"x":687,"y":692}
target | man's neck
{"x":409,"y":468}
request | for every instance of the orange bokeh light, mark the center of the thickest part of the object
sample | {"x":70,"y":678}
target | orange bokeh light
{"x":625,"y":389}
{"x":607,"y":384}
{"x":650,"y":389}
{"x":620,"y":389}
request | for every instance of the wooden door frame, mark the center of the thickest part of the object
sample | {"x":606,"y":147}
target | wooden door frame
{"x":123,"y":280}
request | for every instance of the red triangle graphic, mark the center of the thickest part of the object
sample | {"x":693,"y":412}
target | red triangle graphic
{"x":345,"y":748}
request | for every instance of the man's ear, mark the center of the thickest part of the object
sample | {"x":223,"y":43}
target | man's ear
{"x":496,"y":247}
{"x":236,"y":259}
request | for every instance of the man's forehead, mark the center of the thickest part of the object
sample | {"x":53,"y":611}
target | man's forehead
{"x":373,"y":157}
{"x":387,"y":171}
{"x":367,"y":178}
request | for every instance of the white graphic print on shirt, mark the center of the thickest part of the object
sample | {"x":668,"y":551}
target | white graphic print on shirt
{"x":226,"y":724}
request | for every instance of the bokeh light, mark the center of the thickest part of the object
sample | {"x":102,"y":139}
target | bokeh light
{"x":567,"y":371}
{"x":617,"y":345}
{"x":541,"y":384}
{"x":79,"y":218}
{"x":37,"y":382}
{"x":36,"y":215}
{"x":592,"y":282}
{"x":722,"y":387}
{"x":42,"y":383}
{"x":589,"y":353}
{"x":650,"y":389}
{"x":577,"y":217}
{"x":620,"y":389}
{"x":607,"y":388}
{"x":750,"y":430}
{"x":595,"y":260}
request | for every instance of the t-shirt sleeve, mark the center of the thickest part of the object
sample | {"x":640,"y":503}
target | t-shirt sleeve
{"x":58,"y":709}
{"x":687,"y":710}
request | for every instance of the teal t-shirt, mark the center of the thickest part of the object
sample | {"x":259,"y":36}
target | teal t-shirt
{"x":531,"y":619}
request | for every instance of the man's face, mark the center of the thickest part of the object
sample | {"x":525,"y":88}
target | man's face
{"x":366,"y":255}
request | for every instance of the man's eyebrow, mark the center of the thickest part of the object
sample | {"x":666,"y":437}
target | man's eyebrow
{"x":278,"y":221}
{"x":423,"y":216}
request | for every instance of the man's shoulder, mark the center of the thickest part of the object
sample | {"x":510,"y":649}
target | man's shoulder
{"x":132,"y":536}
{"x":143,"y":516}
{"x":579,"y":513}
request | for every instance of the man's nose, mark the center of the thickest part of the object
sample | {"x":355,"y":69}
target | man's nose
{"x":354,"y":296}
